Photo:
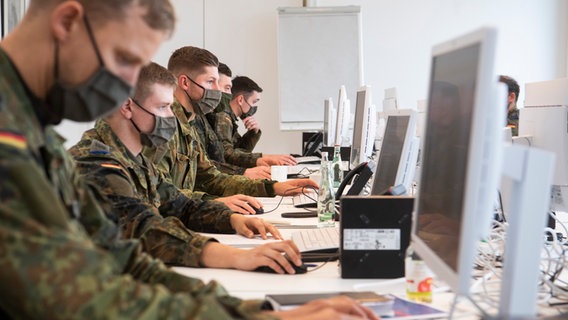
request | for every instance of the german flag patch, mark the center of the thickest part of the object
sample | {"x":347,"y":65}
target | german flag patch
{"x":12,"y":139}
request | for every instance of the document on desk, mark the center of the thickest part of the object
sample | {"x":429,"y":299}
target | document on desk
{"x":405,"y":309}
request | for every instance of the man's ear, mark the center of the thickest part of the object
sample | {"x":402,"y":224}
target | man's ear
{"x":126,"y":109}
{"x":183,"y":82}
{"x":241,"y":99}
{"x":66,"y":18}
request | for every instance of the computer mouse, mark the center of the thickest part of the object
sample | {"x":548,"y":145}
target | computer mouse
{"x":256,"y":210}
{"x":301,"y":269}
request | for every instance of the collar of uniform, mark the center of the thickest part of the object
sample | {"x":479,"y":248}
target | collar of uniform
{"x":136,"y":165}
{"x":182,"y":116}
{"x":107,"y":136}
{"x":231,"y":114}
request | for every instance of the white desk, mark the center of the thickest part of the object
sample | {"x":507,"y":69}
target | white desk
{"x":255,"y":285}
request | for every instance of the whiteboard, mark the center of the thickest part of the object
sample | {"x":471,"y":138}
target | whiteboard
{"x":319,"y":49}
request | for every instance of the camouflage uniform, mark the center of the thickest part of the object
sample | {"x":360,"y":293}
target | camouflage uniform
{"x":189,"y":167}
{"x":148,"y":207}
{"x":513,"y":121}
{"x":212,"y":145}
{"x":237,"y":149}
{"x":61,"y":257}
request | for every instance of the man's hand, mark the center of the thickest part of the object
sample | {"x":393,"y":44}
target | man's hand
{"x":276,"y":160}
{"x":260,"y":172}
{"x":340,"y":307}
{"x":248,"y":227}
{"x":293,"y":187}
{"x":240,"y":203}
{"x":271,"y":255}
{"x":251,"y":124}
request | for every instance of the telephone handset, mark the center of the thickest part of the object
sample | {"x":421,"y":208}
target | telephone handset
{"x":363,"y":172}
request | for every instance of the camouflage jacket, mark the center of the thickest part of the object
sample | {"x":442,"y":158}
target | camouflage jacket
{"x":513,"y":121}
{"x":212,"y":145}
{"x":190,"y":169}
{"x":148,"y":207}
{"x":61,"y":256}
{"x":237,"y":149}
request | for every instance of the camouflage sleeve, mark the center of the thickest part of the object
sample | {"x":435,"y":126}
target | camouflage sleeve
{"x":248,"y":141}
{"x":199,"y":215}
{"x":228,"y":168}
{"x":49,"y":266}
{"x":209,"y":179}
{"x":163,"y":238}
{"x":238,"y":157}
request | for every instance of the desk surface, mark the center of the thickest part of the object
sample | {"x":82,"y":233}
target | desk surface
{"x":323,"y":278}
{"x":255,"y":285}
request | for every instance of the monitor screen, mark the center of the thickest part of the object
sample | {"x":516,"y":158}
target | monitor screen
{"x":329,"y":122}
{"x":457,"y":184}
{"x":391,"y":152}
{"x":362,"y":126}
{"x":342,"y":118}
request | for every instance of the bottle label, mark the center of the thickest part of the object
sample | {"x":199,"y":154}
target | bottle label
{"x":419,"y":285}
{"x":371,"y":239}
{"x":418,"y":277}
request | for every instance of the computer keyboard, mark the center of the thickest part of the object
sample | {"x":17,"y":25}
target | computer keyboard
{"x":309,"y":159}
{"x":317,"y":240}
{"x":306,"y":199}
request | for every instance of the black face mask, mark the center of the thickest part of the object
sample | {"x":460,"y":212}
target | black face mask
{"x":249,"y":113}
{"x":210,"y":99}
{"x":164,"y":129}
{"x":102,"y":93}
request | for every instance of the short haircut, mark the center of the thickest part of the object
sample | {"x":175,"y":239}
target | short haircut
{"x":151,"y":74}
{"x":159,"y":14}
{"x":191,"y":61}
{"x":245,"y":86}
{"x":224,"y":69}
{"x":512,"y":85}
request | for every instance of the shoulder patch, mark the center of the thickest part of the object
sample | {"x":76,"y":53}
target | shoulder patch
{"x":13,"y":139}
{"x":98,"y":147}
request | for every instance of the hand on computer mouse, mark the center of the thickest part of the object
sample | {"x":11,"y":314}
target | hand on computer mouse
{"x":301,"y":269}
{"x":242,"y":204}
{"x":279,"y":256}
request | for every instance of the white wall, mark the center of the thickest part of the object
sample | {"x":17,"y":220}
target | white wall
{"x":397,"y":39}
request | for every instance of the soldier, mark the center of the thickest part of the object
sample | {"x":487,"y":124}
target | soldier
{"x":238,"y":149}
{"x":149,"y":208}
{"x":61,"y":257}
{"x":197,"y":73}
{"x":189,"y":167}
{"x":513,"y":90}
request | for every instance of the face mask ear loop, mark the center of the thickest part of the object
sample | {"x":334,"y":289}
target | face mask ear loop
{"x":93,"y":41}
{"x":56,"y":64}
{"x":197,"y":84}
{"x":141,"y":107}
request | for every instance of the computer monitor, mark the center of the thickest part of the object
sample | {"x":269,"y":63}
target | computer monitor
{"x":329,"y":122}
{"x":364,"y":127}
{"x":460,"y":157}
{"x":342,"y":119}
{"x":396,"y":162}
{"x":544,"y":119}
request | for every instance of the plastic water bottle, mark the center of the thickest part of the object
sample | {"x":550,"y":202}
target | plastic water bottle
{"x":336,"y":166}
{"x":326,"y":198}
{"x":418,"y":278}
